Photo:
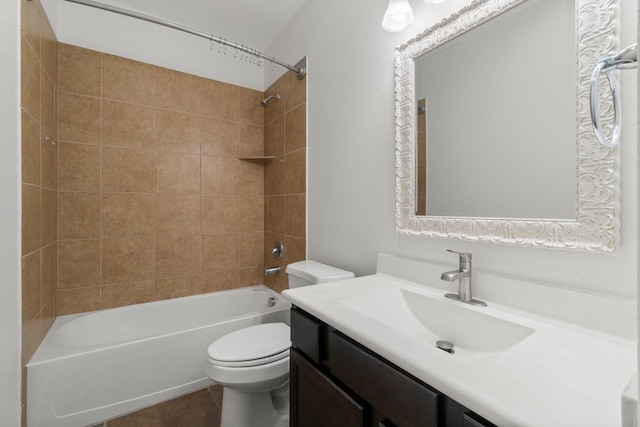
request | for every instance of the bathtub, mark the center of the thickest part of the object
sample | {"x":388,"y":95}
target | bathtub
{"x":95,"y":366}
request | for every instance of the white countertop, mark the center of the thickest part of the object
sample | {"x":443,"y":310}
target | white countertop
{"x":561,"y":375}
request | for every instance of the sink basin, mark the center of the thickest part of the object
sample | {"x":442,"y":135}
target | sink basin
{"x":439,"y":319}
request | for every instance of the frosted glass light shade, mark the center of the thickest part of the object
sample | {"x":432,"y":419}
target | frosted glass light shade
{"x":398,"y":16}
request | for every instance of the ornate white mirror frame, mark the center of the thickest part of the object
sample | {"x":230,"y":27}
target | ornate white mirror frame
{"x":596,"y":225}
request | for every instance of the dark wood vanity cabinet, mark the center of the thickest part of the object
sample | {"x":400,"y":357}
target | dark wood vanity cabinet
{"x":336,"y":382}
{"x":318,"y":401}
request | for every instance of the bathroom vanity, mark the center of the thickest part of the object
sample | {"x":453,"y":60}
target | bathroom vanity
{"x":364,"y":352}
{"x":333,"y":376}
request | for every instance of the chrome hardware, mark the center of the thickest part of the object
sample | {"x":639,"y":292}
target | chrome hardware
{"x":278,"y":250}
{"x":463,"y":275}
{"x":244,"y":51}
{"x":272,"y":270}
{"x":265,"y":102}
{"x":445,"y":346}
{"x":624,"y":60}
{"x":272,"y":301}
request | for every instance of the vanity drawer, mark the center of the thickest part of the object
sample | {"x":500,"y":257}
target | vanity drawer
{"x":306,"y":334}
{"x":402,"y":399}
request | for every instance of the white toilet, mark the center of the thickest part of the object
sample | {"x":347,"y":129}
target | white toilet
{"x":252,"y":364}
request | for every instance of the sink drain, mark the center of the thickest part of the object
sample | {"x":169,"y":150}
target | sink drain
{"x":445,"y":346}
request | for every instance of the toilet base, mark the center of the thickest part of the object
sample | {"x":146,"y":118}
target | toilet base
{"x":245,"y":409}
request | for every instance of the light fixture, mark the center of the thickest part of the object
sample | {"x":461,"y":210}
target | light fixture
{"x":398,"y":16}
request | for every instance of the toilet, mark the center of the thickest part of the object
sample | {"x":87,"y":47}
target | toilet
{"x":252,"y":364}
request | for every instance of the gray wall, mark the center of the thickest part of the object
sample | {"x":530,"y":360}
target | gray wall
{"x":351,"y":153}
{"x":10,"y":289}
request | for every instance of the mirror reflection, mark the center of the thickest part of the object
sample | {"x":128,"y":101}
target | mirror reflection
{"x":495,"y":128}
{"x":421,"y":158}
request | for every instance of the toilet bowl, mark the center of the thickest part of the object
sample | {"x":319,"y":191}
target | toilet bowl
{"x":252,"y":364}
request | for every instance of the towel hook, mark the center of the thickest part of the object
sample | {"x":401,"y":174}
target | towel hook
{"x":624,"y":60}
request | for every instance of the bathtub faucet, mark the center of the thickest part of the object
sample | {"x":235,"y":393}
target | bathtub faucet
{"x":271,"y":270}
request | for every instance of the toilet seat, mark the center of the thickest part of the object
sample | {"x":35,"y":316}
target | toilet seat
{"x":249,"y":363}
{"x":252,"y":346}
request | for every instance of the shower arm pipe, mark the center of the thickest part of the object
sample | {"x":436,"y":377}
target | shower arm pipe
{"x":300,"y":71}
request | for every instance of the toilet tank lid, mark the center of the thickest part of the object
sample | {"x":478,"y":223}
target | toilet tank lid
{"x":316,"y":272}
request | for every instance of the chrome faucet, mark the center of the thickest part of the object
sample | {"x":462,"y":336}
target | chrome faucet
{"x":463,"y":275}
{"x":272,"y":270}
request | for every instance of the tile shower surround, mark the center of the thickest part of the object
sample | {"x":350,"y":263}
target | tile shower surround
{"x":153,"y":201}
{"x":285,"y":176}
{"x":144,"y":170}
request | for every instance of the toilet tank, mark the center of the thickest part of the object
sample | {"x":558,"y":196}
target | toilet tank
{"x":303,"y":273}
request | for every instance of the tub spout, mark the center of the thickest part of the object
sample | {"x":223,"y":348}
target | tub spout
{"x":271,"y":270}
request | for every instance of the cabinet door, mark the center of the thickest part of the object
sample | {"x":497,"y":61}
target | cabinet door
{"x":316,"y":401}
{"x":379,"y":420}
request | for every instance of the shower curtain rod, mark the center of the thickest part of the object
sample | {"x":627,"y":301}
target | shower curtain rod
{"x":300,"y":71}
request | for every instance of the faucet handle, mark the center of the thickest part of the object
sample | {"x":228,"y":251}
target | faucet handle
{"x":465,"y":259}
{"x":463,"y":255}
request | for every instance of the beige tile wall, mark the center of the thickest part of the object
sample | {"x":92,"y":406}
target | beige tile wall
{"x":284,"y":219}
{"x":285,"y":176}
{"x":153,"y":200}
{"x":39,"y":195}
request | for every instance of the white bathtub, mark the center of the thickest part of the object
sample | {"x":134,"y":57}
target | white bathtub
{"x":96,"y":366}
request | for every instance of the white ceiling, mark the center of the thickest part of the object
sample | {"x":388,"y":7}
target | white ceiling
{"x":254,"y":23}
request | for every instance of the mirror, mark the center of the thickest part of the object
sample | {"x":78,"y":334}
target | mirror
{"x":479,"y":79}
{"x":493,"y":140}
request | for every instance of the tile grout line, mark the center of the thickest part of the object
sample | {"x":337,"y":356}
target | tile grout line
{"x":101,"y":184}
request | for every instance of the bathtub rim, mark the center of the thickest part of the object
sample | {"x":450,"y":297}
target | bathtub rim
{"x":52,"y":350}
